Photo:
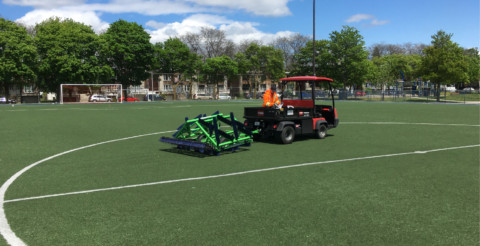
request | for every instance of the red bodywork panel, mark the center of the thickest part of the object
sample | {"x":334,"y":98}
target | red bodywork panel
{"x":315,"y":121}
{"x":298,"y":103}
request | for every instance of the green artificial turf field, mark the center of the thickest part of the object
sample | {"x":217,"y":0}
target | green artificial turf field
{"x":390,"y":174}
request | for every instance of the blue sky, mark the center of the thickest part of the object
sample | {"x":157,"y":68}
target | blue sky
{"x":379,"y":21}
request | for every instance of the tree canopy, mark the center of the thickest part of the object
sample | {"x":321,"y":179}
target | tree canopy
{"x":129,"y":52}
{"x":68,"y":53}
{"x":444,"y":62}
{"x":17,"y":56}
{"x":349,"y":57}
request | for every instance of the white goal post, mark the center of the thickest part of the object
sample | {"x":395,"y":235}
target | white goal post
{"x":85,"y":93}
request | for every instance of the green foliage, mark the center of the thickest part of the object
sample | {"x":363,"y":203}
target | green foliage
{"x":243,"y":64}
{"x":217,"y":68}
{"x":17,"y":56}
{"x":303,"y":60}
{"x":387,"y":69}
{"x":129,"y":52}
{"x":343,"y":58}
{"x":472,"y":58}
{"x":349,"y":57}
{"x":68,"y":53}
{"x":444,"y":62}
{"x":173,"y":56}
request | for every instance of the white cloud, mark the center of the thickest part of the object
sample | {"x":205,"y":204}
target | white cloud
{"x":376,"y":22}
{"x":90,"y":13}
{"x":44,"y":3}
{"x":89,"y":18}
{"x":373,"y":21}
{"x":145,"y":7}
{"x":359,"y":18}
{"x":155,"y":25}
{"x":258,"y":7}
{"x":234,"y":30}
{"x":159,"y":7}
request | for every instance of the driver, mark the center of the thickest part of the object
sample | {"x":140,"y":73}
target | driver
{"x":270,"y":98}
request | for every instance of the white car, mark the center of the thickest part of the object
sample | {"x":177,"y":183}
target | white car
{"x":5,"y":100}
{"x":224,"y":96}
{"x":203,"y":97}
{"x":99,"y":98}
{"x":451,"y":89}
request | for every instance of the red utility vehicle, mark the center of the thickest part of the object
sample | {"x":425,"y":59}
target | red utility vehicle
{"x":299,"y":115}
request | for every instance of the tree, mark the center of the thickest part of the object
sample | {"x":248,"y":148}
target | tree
{"x":264,"y":61}
{"x":17,"y":56}
{"x":473,"y":65}
{"x":379,"y":50}
{"x":271,"y":63}
{"x":390,"y":68}
{"x":290,"y":46}
{"x":129,"y":52}
{"x":174,"y":57}
{"x":323,"y":59}
{"x":444,"y":62}
{"x":350,"y":57}
{"x":217,"y":69}
{"x":68,"y":53}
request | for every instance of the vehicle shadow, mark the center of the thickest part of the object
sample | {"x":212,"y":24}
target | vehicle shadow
{"x":300,"y":138}
{"x":197,"y":154}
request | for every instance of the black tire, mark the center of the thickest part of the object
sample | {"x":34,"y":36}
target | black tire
{"x":287,"y":135}
{"x":321,"y":132}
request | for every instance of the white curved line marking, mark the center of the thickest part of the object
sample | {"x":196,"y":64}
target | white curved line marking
{"x":12,"y":239}
{"x":5,"y":229}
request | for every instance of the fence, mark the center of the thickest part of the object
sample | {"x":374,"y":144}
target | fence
{"x":411,"y":96}
{"x":236,"y":93}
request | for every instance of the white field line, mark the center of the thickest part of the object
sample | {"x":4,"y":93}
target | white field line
{"x":405,"y":123}
{"x":5,"y":229}
{"x":12,"y":239}
{"x":239,"y":173}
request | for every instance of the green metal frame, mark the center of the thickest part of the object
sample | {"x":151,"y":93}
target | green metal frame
{"x":206,"y":133}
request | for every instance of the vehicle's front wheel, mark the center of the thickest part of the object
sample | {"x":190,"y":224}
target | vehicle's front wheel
{"x":287,"y":135}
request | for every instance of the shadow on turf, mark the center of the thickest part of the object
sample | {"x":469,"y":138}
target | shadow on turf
{"x":198,"y":154}
{"x":300,"y":138}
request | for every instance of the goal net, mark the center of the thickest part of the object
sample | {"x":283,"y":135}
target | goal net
{"x":89,"y":93}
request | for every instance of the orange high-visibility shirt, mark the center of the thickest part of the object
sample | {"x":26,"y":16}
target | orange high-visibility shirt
{"x":269,"y":100}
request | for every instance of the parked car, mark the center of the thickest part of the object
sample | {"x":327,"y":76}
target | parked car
{"x":224,"y":96}
{"x":260,"y":95}
{"x":203,"y":97}
{"x":9,"y":101}
{"x":129,"y":99}
{"x":99,"y":98}
{"x":450,"y":89}
{"x":360,"y":93}
{"x":154,"y":97}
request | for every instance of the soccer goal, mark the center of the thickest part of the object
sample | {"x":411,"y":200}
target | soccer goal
{"x":90,"y":93}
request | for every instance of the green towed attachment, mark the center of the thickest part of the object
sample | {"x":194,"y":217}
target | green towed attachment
{"x":206,"y":135}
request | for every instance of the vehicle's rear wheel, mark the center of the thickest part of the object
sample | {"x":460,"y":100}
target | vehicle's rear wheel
{"x":321,"y":132}
{"x":287,"y":135}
